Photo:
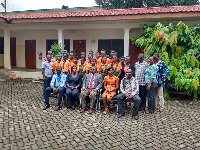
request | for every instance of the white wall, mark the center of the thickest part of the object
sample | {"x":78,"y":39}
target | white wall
{"x":92,"y":34}
{"x":73,"y":34}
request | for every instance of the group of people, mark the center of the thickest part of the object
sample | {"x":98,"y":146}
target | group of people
{"x":114,"y":76}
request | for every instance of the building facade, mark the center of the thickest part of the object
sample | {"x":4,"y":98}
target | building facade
{"x":24,"y":37}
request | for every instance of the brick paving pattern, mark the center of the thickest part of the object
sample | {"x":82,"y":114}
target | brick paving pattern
{"x":24,"y":125}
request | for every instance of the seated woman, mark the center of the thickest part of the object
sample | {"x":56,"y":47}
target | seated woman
{"x":111,"y":84}
{"x":73,"y":82}
{"x":151,"y":84}
{"x":102,"y":68}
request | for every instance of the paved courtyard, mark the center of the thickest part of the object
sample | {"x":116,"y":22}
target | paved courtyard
{"x":24,"y":125}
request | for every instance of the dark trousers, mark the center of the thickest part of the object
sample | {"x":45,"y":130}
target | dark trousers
{"x":46,"y":84}
{"x":50,"y":90}
{"x":151,"y":98}
{"x":120,"y":102}
{"x":142,"y":94}
{"x":71,"y":95}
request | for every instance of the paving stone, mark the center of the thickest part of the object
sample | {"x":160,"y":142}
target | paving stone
{"x":24,"y":125}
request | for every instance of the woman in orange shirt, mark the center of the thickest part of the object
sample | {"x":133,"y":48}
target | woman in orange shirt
{"x":117,"y":66}
{"x":83,"y":68}
{"x":102,"y":68}
{"x":111,"y":84}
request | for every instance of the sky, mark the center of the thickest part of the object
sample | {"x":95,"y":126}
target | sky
{"x":21,"y":5}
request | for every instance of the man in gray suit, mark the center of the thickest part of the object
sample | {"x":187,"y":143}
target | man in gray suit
{"x":91,"y":84}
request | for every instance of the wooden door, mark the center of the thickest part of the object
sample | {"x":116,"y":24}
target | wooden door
{"x":134,"y":51}
{"x":13,"y":51}
{"x":30,"y":54}
{"x":79,"y":46}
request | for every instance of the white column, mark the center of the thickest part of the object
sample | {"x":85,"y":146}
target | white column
{"x":7,"y":63}
{"x":126,"y":42}
{"x":60,"y":37}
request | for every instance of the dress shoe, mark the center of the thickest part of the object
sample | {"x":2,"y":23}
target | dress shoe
{"x":73,"y":108}
{"x":91,"y":111}
{"x":68,"y":106}
{"x":83,"y":109}
{"x":47,"y":106}
{"x":120,"y":115}
{"x":136,"y":117}
{"x":58,"y":108}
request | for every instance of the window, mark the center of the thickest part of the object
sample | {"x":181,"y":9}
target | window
{"x":1,"y":45}
{"x":67,"y":45}
{"x":108,"y":45}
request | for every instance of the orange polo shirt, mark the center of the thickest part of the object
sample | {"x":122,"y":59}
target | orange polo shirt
{"x":99,"y":61}
{"x":84,"y":69}
{"x":65,"y":67}
{"x":89,"y":67}
{"x":115,"y":65}
{"x":56,"y":64}
{"x":72,"y":64}
{"x":103,"y":67}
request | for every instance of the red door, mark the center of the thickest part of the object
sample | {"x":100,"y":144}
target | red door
{"x":79,"y":46}
{"x":13,"y":51}
{"x":30,"y":54}
{"x":134,"y":51}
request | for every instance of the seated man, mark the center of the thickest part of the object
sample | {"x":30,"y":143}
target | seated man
{"x":92,"y":82}
{"x":130,"y":93}
{"x":57,"y":86}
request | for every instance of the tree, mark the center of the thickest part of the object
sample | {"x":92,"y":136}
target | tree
{"x":123,"y":4}
{"x":179,"y":48}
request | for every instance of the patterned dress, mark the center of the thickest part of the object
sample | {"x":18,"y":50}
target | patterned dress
{"x":162,"y":73}
{"x":110,"y":84}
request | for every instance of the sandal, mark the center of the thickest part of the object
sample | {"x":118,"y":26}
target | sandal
{"x":106,"y":111}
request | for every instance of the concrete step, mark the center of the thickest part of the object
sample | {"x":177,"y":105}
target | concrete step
{"x":5,"y":74}
{"x":2,"y":80}
{"x":8,"y":73}
{"x":12,"y":76}
{"x":4,"y":70}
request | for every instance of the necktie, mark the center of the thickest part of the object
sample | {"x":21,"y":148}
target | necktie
{"x":91,"y":81}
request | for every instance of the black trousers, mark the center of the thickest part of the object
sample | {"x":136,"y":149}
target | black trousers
{"x":120,"y":102}
{"x":142,"y":94}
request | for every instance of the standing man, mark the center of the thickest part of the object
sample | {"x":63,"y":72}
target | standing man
{"x":59,"y":62}
{"x":82,"y":55}
{"x":47,"y":73}
{"x":52,"y":59}
{"x":140,"y":68}
{"x":65,"y":67}
{"x":163,"y":73}
{"x":57,"y":86}
{"x":103,"y":54}
{"x":91,"y":84}
{"x":130,"y":93}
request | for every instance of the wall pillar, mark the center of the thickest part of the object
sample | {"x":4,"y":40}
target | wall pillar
{"x":126,"y":42}
{"x":60,"y":38}
{"x":7,"y":62}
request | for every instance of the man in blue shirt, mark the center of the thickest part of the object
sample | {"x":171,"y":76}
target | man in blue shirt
{"x":57,"y":86}
{"x":162,"y":75}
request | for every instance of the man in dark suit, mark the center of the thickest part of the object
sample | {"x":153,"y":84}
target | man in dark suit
{"x":91,"y":84}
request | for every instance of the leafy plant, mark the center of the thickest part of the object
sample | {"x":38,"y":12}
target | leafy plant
{"x":179,"y":48}
{"x":56,"y":49}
